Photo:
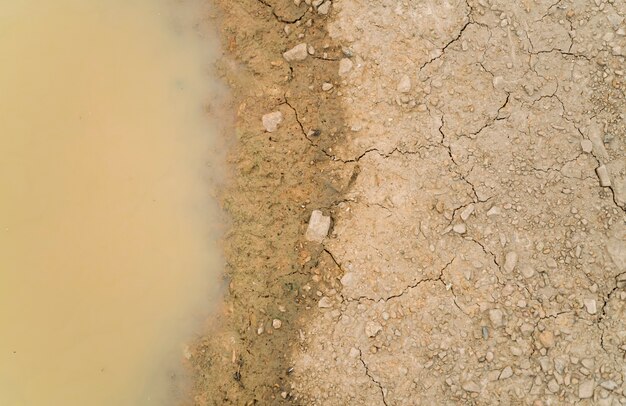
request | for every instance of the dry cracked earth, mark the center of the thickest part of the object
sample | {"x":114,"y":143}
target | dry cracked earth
{"x":477,"y":253}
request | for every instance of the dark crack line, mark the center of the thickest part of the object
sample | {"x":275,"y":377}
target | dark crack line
{"x":443,"y":50}
{"x":279,"y":18}
{"x":486,"y":251}
{"x":346,"y":161}
{"x":603,"y":311}
{"x":304,"y":133}
{"x":367,"y":372}
{"x":332,"y":257}
{"x":564,"y":53}
{"x":439,"y":278}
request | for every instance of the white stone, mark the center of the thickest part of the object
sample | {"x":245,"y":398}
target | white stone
{"x":297,"y":53}
{"x":590,"y":305}
{"x":459,"y":228}
{"x":609,"y":385}
{"x":276,"y":323}
{"x":553,"y":386}
{"x":467,"y":212}
{"x":497,"y":82}
{"x":496,"y":317}
{"x":347,"y":279}
{"x":372,"y":328}
{"x":345,"y":66}
{"x":325,"y":303}
{"x":470,"y":386}
{"x":404,"y":86}
{"x":506,"y":373}
{"x":527,"y":271}
{"x":318,"y":227}
{"x":271,"y":121}
{"x":494,"y":211}
{"x":324,"y":8}
{"x":587,"y":146}
{"x":327,"y":86}
{"x":603,"y":175}
{"x":510,"y":261}
{"x":585,"y":389}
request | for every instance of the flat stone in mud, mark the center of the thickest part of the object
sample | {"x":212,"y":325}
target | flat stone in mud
{"x":297,"y":53}
{"x":318,"y":227}
{"x":345,"y":66}
{"x":271,"y":121}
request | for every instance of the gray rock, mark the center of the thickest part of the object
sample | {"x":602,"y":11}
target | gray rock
{"x":609,"y":385}
{"x":325,"y":303}
{"x":404,"y":85}
{"x":459,"y":228}
{"x":510,"y":261}
{"x":553,"y":386}
{"x":603,"y":175}
{"x":372,"y":328}
{"x":585,"y":389}
{"x":467,"y":212}
{"x":297,"y":53}
{"x":527,"y":271}
{"x":324,"y":8}
{"x":271,"y":121}
{"x":587,"y":146}
{"x":318,"y":227}
{"x":496,"y":317}
{"x":345,"y":66}
{"x":470,"y":386}
{"x":590,"y":306}
{"x":506,"y":373}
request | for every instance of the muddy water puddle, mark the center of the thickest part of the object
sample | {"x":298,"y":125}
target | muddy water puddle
{"x":107,"y":255}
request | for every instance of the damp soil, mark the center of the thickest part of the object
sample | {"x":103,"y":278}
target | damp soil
{"x":278,"y":178}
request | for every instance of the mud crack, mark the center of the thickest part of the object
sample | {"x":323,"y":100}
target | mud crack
{"x":367,"y":372}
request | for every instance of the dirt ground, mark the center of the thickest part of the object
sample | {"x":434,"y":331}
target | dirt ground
{"x":471,"y":155}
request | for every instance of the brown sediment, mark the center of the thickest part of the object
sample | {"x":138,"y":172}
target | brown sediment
{"x":279,"y":178}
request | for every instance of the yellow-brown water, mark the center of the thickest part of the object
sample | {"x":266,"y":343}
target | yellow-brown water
{"x":107,"y":258}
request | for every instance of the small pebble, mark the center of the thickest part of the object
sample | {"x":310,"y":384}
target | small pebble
{"x":271,"y":121}
{"x":467,"y":212}
{"x":603,"y":175}
{"x":496,"y":317}
{"x":404,"y":86}
{"x":527,"y":271}
{"x":459,"y":228}
{"x":506,"y":373}
{"x":325,"y":303}
{"x":590,"y":305}
{"x":510,"y":261}
{"x":324,"y":8}
{"x":345,"y":66}
{"x":297,"y":53}
{"x":585,"y":389}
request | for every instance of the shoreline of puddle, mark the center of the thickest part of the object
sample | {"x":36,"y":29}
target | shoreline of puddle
{"x":112,"y":156}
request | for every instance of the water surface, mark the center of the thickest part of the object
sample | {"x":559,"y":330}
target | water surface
{"x":107,"y":258}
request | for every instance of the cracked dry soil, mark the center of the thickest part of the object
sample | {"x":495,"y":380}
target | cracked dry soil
{"x":472,"y":157}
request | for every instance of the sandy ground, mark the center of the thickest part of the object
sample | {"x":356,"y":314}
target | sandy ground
{"x":471,"y":155}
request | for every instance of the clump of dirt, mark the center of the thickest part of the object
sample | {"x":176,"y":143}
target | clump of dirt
{"x":280,"y":177}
